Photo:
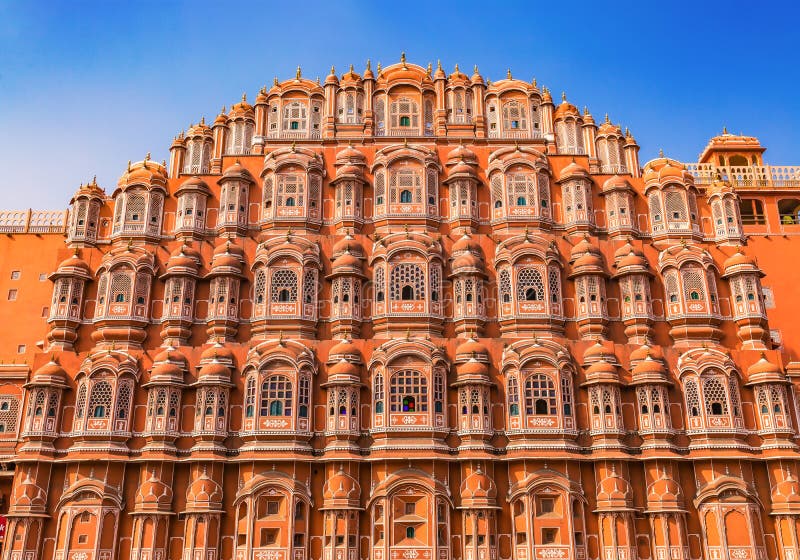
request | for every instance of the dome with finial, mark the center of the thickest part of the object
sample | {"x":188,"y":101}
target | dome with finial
{"x":193,"y":184}
{"x":765,"y":371}
{"x":184,"y":260}
{"x":50,"y":374}
{"x":146,"y":173}
{"x":89,"y":190}
{"x":630,"y":260}
{"x":242,"y":109}
{"x":200,"y":129}
{"x":573,"y":170}
{"x":586,"y":258}
{"x":153,"y":494}
{"x":347,"y":244}
{"x":168,"y":368}
{"x":663,"y":170}
{"x":461,"y":153}
{"x":476,"y":78}
{"x":347,"y":263}
{"x":644,"y":351}
{"x":616,"y":183}
{"x":341,"y":491}
{"x":204,"y":492}
{"x":738,"y":263}
{"x":344,"y":349}
{"x":73,"y":265}
{"x":458,"y":77}
{"x":478,"y":490}
{"x":613,"y":492}
{"x":565,"y":109}
{"x":227,"y":257}
{"x":238,"y":172}
{"x":609,"y":129}
{"x":472,"y":348}
{"x":648,"y":371}
{"x":664,"y":494}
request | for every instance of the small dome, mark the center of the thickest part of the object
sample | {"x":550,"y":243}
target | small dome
{"x":665,"y":491}
{"x":50,"y":374}
{"x":471,"y":348}
{"x":787,"y":492}
{"x":184,"y":257}
{"x":573,"y":170}
{"x":341,"y":491}
{"x":739,"y":260}
{"x":566,"y":109}
{"x":466,"y":243}
{"x":472,"y":369}
{"x":601,"y":368}
{"x":153,"y":492}
{"x":460,"y":153}
{"x":203,"y":490}
{"x":28,"y":495}
{"x":461,"y":169}
{"x":613,"y":490}
{"x":343,"y":368}
{"x":193,"y":183}
{"x":346,"y":261}
{"x":200,"y":129}
{"x":217,"y":351}
{"x":228,"y":255}
{"x":466,"y":261}
{"x":764,"y":371}
{"x":213,"y":371}
{"x":344,"y":348}
{"x":237,"y":171}
{"x":350,"y":154}
{"x":74,"y":264}
{"x":616,"y":182}
{"x":596,"y":352}
{"x":649,"y":368}
{"x":609,"y":129}
{"x":478,"y":490}
{"x":644,"y":351}
{"x":633,"y":259}
{"x":146,"y":172}
{"x":347,"y":244}
{"x":241,"y":109}
{"x":587,"y":263}
{"x":583,"y":247}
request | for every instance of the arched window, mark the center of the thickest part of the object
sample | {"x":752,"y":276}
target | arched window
{"x":407,"y":282}
{"x":283,"y":286}
{"x":408,"y":392}
{"x":540,"y":395}
{"x":515,"y":117}
{"x":295,"y":117}
{"x":504,"y":285}
{"x":276,"y":396}
{"x":100,"y":400}
{"x":404,"y":113}
{"x":521,"y":189}
{"x":530,"y":285}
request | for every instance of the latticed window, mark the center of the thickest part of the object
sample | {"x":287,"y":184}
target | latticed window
{"x":554,"y":285}
{"x":656,"y":213}
{"x":515,"y":116}
{"x":405,"y":187}
{"x":380,"y":284}
{"x":380,"y":117}
{"x":676,"y":206}
{"x":407,"y":282}
{"x":408,"y":392}
{"x":100,"y":400}
{"x":250,"y":397}
{"x":124,"y":396}
{"x":303,"y":396}
{"x":291,"y":188}
{"x":570,"y":139}
{"x":436,"y":283}
{"x":540,"y":395}
{"x":9,"y":409}
{"x":496,"y":185}
{"x":260,"y":286}
{"x":692,"y":398}
{"x":520,"y":189}
{"x":80,"y":402}
{"x":283,"y":286}
{"x":428,"y":117}
{"x":316,"y":118}
{"x":438,"y":391}
{"x":715,"y":397}
{"x":404,"y":113}
{"x":378,"y":394}
{"x":513,"y":396}
{"x":530,"y":285}
{"x":566,"y":394}
{"x":276,"y":396}
{"x":310,"y":287}
{"x":693,"y":284}
{"x":240,"y":136}
{"x":671,"y":286}
{"x":505,"y":286}
{"x":295,"y":117}
{"x":134,"y":210}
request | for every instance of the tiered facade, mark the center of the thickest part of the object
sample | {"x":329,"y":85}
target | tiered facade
{"x":406,"y":315}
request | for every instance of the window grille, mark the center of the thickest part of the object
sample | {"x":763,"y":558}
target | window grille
{"x":276,"y":396}
{"x":497,"y":190}
{"x":250,"y":397}
{"x":520,"y":189}
{"x":714,"y":394}
{"x":544,"y":193}
{"x":121,"y":287}
{"x":566,"y":394}
{"x":405,"y":180}
{"x":310,"y":287}
{"x":283,"y":286}
{"x":80,"y":403}
{"x":656,"y":215}
{"x":378,"y":389}
{"x":100,"y":400}
{"x":260,"y":291}
{"x":436,"y":283}
{"x":267,"y":196}
{"x":676,"y":206}
{"x":380,"y":284}
{"x":428,"y":117}
{"x":513,"y":396}
{"x":554,"y":285}
{"x":303,"y":394}
{"x":405,"y":107}
{"x":438,"y":391}
{"x":540,"y":395}
{"x":314,"y":188}
{"x":124,"y":395}
{"x":9,"y":408}
{"x":380,"y":117}
{"x":530,"y":285}
{"x":380,"y":189}
{"x":733,"y":387}
{"x":291,"y":189}
{"x":505,"y":286}
{"x":514,"y":117}
{"x":693,"y":284}
{"x":295,"y":117}
{"x":316,"y":118}
{"x":408,"y":392}
{"x":407,"y":278}
{"x":134,"y":211}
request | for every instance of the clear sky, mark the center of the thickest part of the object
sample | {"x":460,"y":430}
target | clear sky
{"x":86,"y":86}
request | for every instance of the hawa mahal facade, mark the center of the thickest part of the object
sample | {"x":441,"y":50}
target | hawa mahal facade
{"x":406,"y":315}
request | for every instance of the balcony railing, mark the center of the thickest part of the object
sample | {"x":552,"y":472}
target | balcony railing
{"x":33,"y":221}
{"x":515,"y":134}
{"x":748,"y":177}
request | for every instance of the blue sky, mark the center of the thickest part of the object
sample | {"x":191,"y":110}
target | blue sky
{"x":86,"y":86}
